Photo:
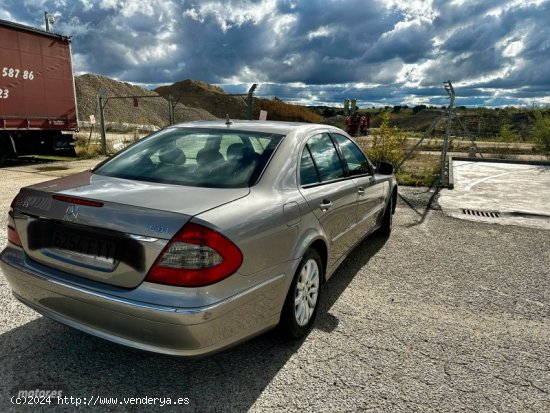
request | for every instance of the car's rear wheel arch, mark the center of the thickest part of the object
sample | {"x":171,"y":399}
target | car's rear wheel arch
{"x":302,"y":300}
{"x":394,"y":198}
{"x":321,"y":248}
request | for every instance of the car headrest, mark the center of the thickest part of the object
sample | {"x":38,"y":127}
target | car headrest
{"x":172,"y":155}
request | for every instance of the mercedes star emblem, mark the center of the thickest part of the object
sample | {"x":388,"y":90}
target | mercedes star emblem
{"x":71,"y":213}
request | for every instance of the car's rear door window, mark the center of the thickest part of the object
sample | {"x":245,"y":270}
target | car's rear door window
{"x":324,"y":157}
{"x":308,"y":171}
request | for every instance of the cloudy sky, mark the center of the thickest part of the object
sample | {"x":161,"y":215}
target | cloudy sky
{"x":386,"y":52}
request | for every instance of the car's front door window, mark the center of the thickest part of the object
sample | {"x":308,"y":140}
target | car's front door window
{"x":356,"y":160}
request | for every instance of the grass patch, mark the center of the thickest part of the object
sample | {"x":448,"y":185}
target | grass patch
{"x":420,"y":170}
{"x":85,"y":149}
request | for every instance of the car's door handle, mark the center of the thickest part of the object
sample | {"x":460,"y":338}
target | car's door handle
{"x":361,"y":191}
{"x":325,"y":205}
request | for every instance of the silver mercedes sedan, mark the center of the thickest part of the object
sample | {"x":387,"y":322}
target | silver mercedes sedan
{"x":198,"y":236}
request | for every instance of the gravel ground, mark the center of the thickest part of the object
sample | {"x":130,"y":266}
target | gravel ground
{"x":445,"y":315}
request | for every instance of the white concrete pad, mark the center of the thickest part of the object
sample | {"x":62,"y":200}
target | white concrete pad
{"x":519,"y":193}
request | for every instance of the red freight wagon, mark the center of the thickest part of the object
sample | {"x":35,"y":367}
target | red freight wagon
{"x":37,"y":93}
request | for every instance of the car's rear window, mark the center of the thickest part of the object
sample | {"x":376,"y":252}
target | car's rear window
{"x":195,"y":157}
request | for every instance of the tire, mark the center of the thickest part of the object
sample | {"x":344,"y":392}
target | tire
{"x":387,"y":219}
{"x":2,"y":153}
{"x":300,"y":310}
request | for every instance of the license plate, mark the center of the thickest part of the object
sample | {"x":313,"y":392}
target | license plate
{"x":96,"y":249}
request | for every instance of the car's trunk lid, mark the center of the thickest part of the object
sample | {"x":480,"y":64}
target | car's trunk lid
{"x":107,"y":229}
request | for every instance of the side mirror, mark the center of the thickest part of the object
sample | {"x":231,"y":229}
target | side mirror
{"x":384,"y":168}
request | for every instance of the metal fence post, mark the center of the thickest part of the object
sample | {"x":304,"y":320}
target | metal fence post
{"x":171,"y":109}
{"x":102,"y":122}
{"x":450,"y":110}
{"x":250,"y":99}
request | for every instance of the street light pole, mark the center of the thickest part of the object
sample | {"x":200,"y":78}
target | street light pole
{"x":48,"y":19}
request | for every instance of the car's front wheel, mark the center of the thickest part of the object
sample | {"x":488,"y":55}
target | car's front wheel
{"x":300,"y":308}
{"x":387,"y":219}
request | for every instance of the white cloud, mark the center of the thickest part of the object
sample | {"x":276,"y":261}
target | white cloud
{"x":129,"y":8}
{"x":108,"y":4}
{"x":512,"y":46}
{"x":6,"y":15}
{"x":87,"y":4}
{"x":323,"y":31}
{"x":282,"y":24}
{"x":412,"y":9}
{"x":74,"y":27}
{"x":156,"y":53}
{"x":292,"y":59}
{"x":392,"y":50}
{"x":247,"y":75}
{"x":81,"y":63}
{"x":232,"y":14}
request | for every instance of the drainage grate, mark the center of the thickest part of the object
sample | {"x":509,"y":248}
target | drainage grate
{"x":476,"y":213}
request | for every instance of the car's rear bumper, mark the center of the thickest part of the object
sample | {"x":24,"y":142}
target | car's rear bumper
{"x":170,"y":330}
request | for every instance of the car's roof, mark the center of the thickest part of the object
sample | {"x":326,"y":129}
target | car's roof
{"x":276,"y":127}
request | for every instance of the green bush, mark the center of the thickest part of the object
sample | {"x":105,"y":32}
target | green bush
{"x":507,"y":134}
{"x":541,"y":133}
{"x":387,"y":144}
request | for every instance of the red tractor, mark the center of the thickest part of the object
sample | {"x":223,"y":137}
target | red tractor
{"x":356,"y":125}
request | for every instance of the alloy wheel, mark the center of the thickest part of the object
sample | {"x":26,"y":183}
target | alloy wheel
{"x":307,"y":290}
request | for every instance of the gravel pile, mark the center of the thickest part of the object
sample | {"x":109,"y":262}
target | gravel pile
{"x":212,"y":98}
{"x":150,"y":111}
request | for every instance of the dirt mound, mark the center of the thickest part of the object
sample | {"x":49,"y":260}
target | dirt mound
{"x":209,"y":97}
{"x":216,"y":101}
{"x":194,"y":99}
{"x":150,"y":111}
{"x":191,"y":86}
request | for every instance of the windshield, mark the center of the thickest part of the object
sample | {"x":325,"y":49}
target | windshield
{"x":218,"y":158}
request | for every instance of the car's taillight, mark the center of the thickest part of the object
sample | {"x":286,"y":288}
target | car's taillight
{"x":196,"y":256}
{"x":13,"y":236}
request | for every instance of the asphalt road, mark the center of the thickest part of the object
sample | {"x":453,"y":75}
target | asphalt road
{"x":445,"y":315}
